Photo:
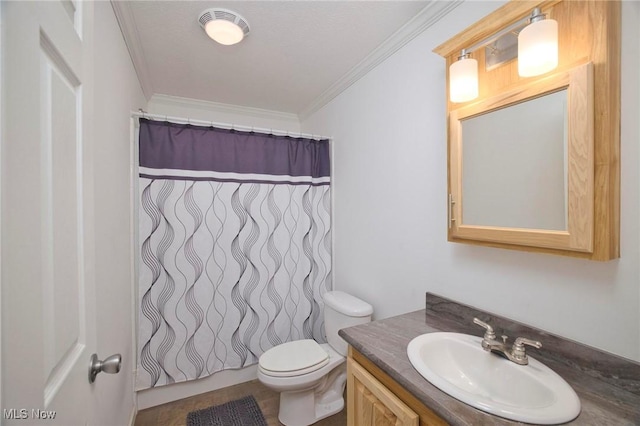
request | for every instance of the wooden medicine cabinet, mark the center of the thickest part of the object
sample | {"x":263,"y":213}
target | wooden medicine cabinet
{"x":534,"y":163}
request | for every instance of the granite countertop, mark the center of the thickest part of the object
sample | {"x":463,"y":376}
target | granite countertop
{"x":608,"y":386}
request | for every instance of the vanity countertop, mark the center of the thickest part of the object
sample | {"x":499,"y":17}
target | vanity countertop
{"x":608,"y":386}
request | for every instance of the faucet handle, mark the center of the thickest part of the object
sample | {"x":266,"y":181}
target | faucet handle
{"x":518,"y":350}
{"x":521,"y":341}
{"x":489,"y":333}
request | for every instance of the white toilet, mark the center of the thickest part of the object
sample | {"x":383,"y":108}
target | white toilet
{"x":311,"y":376}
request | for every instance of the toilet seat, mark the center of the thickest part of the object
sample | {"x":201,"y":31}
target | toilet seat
{"x":293,"y":359}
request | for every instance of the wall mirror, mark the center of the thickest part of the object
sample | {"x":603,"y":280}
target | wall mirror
{"x":515,"y":165}
{"x":521,"y":163}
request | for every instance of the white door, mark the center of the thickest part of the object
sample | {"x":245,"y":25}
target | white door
{"x":48,"y":320}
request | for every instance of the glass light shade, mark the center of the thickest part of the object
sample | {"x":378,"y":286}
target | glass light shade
{"x":463,"y":80}
{"x":224,"y":32}
{"x":538,"y":48}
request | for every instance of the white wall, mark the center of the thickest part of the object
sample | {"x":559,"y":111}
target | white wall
{"x":117,"y":92}
{"x":210,"y":111}
{"x":223,"y":113}
{"x":390,"y":206}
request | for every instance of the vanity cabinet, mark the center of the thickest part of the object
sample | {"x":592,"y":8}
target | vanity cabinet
{"x":370,"y":403}
{"x":374,"y":398}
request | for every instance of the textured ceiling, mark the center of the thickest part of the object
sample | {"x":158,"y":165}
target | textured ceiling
{"x":296,"y":49}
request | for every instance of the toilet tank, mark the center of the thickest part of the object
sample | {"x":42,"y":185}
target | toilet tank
{"x":342,"y":310}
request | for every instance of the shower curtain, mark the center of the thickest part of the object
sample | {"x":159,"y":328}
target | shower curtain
{"x":235,"y":247}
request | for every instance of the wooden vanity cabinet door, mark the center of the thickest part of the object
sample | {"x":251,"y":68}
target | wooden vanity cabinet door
{"x":370,"y":403}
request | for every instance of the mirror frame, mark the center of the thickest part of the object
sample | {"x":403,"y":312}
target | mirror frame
{"x":578,"y":236}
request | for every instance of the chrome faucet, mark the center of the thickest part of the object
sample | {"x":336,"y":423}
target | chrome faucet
{"x":517,"y":351}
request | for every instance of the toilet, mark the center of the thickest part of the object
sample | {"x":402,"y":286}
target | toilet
{"x":311,"y":376}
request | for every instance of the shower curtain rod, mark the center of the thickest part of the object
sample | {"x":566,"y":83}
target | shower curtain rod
{"x":181,"y":120}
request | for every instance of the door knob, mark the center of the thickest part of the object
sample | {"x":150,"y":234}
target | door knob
{"x":110,"y":365}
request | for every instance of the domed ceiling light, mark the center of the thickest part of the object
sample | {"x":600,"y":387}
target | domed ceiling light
{"x":224,"y":26}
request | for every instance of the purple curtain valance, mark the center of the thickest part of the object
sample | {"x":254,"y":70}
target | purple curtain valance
{"x":165,"y":145}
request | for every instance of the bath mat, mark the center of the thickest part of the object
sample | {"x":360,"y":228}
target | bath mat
{"x":240,"y":412}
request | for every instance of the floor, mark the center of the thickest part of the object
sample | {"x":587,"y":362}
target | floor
{"x":175,"y":413}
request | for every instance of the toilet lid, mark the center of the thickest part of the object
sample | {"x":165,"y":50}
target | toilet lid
{"x":297,"y":357}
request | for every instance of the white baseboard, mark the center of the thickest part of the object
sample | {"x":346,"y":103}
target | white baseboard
{"x":163,"y":394}
{"x":132,"y":417}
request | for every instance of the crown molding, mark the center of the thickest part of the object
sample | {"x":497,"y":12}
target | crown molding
{"x":127,"y":24}
{"x":223,"y":108}
{"x":428,"y":16}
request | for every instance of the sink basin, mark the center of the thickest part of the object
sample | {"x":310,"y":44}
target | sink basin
{"x":456,"y":364}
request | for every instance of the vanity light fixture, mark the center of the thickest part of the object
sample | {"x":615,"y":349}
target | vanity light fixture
{"x":224,"y":26}
{"x":538,"y":45}
{"x":463,"y":78}
{"x":537,"y":53}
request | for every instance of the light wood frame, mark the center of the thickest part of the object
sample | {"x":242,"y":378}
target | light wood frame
{"x":579,"y":234}
{"x":588,"y":31}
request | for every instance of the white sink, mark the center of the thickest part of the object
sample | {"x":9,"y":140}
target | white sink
{"x":456,"y":364}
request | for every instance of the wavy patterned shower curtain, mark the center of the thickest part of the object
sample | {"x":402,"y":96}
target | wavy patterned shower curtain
{"x":235,"y":256}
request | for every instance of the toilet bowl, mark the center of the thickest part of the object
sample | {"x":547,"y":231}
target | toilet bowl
{"x":311,"y":376}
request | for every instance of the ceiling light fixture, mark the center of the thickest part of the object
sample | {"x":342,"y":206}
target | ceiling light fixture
{"x":224,"y":26}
